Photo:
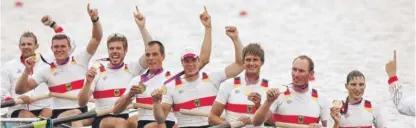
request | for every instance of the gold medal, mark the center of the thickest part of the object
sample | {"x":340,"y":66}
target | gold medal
{"x":247,"y":90}
{"x":36,"y":58}
{"x":96,"y":65}
{"x":282,"y":89}
{"x":142,"y":87}
{"x":337,"y":103}
{"x":163,"y":90}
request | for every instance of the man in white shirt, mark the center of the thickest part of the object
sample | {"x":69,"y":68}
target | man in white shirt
{"x":195,"y":91}
{"x":66,"y":74}
{"x":241,"y":97}
{"x":114,"y":78}
{"x":291,"y":104}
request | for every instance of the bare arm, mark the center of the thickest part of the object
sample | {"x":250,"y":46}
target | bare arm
{"x":24,"y":84}
{"x":214,"y":117}
{"x":235,"y":68}
{"x":207,"y":42}
{"x":262,"y":114}
{"x":97,"y":32}
{"x":161,"y":111}
{"x":85,"y":93}
{"x":141,"y":23}
{"x":122,"y":103}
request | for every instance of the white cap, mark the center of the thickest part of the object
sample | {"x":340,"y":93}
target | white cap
{"x":189,"y":52}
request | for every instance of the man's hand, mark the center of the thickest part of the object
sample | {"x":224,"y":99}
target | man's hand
{"x":135,"y":89}
{"x":139,"y":18}
{"x":391,"y":67}
{"x":272,"y":94}
{"x":157,"y":96}
{"x":255,"y":98}
{"x":30,"y":62}
{"x":47,"y":20}
{"x":231,"y":32}
{"x":91,"y":75}
{"x":246,"y":120}
{"x":26,"y":99}
{"x":205,"y":18}
{"x":335,"y":114}
{"x":93,"y":13}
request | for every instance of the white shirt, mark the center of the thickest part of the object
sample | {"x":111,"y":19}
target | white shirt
{"x":109,"y":84}
{"x":363,"y":115}
{"x":404,"y":106}
{"x":64,"y":76}
{"x":10,"y":73}
{"x":235,"y":98}
{"x":152,"y":84}
{"x":291,"y":107}
{"x":199,"y":94}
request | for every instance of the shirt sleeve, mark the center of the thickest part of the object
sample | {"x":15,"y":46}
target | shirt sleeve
{"x":404,"y":106}
{"x":217,"y":77}
{"x":224,"y":93}
{"x":135,"y":68}
{"x":6,"y":84}
{"x":168,"y":97}
{"x":82,"y":59}
{"x":407,"y":106}
{"x":325,"y":107}
{"x":379,"y":118}
{"x":39,"y":75}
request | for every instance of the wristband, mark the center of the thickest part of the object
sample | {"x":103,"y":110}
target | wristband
{"x":392,"y":79}
{"x":59,"y":30}
{"x":53,"y":23}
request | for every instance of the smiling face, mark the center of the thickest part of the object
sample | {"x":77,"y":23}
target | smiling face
{"x":60,"y":49}
{"x":355,"y":84}
{"x":154,"y":57}
{"x":116,"y":52}
{"x":253,"y":58}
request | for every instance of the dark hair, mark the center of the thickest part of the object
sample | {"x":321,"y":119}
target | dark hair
{"x":253,"y":49}
{"x":62,"y":37}
{"x":161,"y":47}
{"x":28,"y":35}
{"x":118,"y":37}
{"x":353,"y":74}
{"x":311,"y":64}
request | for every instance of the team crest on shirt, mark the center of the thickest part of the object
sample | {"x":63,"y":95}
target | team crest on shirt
{"x":19,"y":71}
{"x":180,"y":91}
{"x":300,"y":119}
{"x":116,"y":92}
{"x":249,"y":108}
{"x":197,"y":103}
{"x":68,"y":86}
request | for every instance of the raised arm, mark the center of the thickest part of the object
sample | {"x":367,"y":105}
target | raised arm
{"x":160,"y":110}
{"x":85,"y":93}
{"x":235,"y":68}
{"x":97,"y":31}
{"x":141,"y":23}
{"x":24,"y":83}
{"x":404,"y":106}
{"x":207,"y":43}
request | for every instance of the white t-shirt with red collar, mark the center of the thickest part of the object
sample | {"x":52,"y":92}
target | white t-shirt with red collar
{"x":109,"y":84}
{"x":197,"y":95}
{"x":234,"y":95}
{"x":151,"y":84}
{"x":66,"y":79}
{"x":301,"y":108}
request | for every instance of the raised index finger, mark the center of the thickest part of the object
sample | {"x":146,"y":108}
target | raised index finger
{"x":88,"y":7}
{"x":205,"y":10}
{"x":394,"y":56}
{"x":137,"y":9}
